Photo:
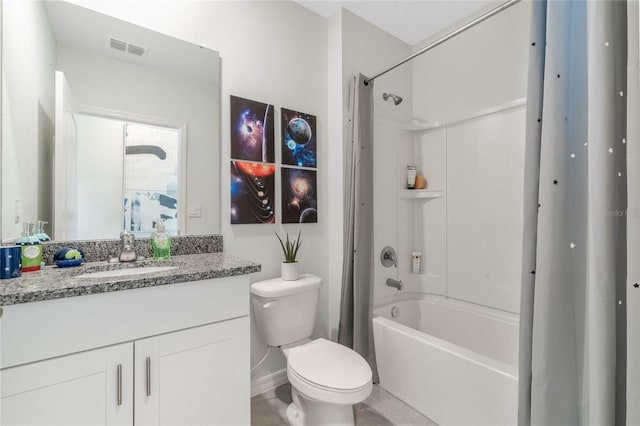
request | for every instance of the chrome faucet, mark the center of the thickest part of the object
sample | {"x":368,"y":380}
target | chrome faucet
{"x":395,"y":284}
{"x":128,"y":242}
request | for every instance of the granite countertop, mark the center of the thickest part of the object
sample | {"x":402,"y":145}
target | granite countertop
{"x":55,"y":283}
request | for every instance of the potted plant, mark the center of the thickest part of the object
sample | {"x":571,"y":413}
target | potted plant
{"x":289,"y":268}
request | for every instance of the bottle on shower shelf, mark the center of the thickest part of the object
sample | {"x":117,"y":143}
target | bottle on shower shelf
{"x":411,"y":177}
{"x":416,"y":260}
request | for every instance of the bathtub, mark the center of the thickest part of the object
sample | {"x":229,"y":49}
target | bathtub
{"x":454,"y":362}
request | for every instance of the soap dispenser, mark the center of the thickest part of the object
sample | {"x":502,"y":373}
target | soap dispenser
{"x":39,"y":231}
{"x":161,"y":242}
{"x":31,"y":249}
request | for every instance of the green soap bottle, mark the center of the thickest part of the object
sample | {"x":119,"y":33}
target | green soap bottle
{"x":161,"y":242}
{"x":31,"y":249}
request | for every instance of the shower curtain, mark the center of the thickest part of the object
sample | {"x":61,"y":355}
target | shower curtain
{"x":579,"y":234}
{"x":356,"y":303}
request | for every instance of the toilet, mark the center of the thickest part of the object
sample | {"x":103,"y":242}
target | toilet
{"x":326,"y":378}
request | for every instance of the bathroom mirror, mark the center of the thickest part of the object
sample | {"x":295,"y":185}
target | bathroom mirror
{"x":100,"y":118}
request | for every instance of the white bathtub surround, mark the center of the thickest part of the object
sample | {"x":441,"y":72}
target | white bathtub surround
{"x":453,"y":361}
{"x":577,"y":265}
{"x":470,"y":219}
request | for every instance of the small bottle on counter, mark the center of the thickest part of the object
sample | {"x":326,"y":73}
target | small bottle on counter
{"x":31,"y":258}
{"x":39,"y":231}
{"x":416,"y":260}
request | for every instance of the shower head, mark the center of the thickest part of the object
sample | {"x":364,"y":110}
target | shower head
{"x":396,"y":99}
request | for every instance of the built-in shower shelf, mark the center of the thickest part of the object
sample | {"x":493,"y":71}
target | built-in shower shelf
{"x":425,"y":275}
{"x":421,"y":193}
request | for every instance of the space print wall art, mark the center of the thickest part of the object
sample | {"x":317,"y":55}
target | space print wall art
{"x":252,"y":130}
{"x":253,"y":164}
{"x":299,"y":195}
{"x":252,"y":192}
{"x":298,"y":183}
{"x":253,"y":170}
{"x":298,"y":138}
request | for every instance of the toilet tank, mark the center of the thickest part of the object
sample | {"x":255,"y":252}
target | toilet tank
{"x":285,"y":311}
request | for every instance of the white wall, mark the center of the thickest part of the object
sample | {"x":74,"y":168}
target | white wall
{"x":27,"y":114}
{"x":272,"y":52}
{"x":365,"y":49}
{"x":478,"y":69}
{"x":335,"y":180}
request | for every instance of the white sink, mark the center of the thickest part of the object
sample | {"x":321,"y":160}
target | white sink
{"x":126,"y":272}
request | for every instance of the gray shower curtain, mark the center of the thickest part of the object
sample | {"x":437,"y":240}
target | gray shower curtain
{"x":357,"y":265}
{"x":633,"y":216}
{"x":573,"y":343}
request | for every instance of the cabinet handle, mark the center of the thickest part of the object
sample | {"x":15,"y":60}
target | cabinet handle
{"x":119,"y":384}
{"x":148,"y":368}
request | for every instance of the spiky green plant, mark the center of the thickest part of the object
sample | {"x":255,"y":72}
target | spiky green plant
{"x":290,"y":248}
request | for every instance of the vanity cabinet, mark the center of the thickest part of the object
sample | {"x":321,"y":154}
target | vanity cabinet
{"x":190,"y":377}
{"x":77,"y":389}
{"x":172,"y":354}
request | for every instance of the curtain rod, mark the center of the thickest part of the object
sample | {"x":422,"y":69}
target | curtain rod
{"x":441,"y":40}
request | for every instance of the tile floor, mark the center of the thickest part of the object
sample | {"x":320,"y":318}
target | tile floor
{"x":380,"y":409}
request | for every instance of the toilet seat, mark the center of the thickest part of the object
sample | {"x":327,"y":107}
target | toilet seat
{"x":329,"y":372}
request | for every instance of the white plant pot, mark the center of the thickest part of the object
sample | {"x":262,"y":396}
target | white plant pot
{"x":290,"y":271}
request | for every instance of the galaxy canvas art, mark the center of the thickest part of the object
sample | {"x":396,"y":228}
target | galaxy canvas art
{"x":299,"y":196}
{"x":298,"y":138}
{"x":252,"y":192}
{"x":252,"y":130}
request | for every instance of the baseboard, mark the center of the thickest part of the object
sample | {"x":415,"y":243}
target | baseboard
{"x":268,"y":382}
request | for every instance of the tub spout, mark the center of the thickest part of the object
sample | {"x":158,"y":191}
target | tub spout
{"x":395,"y":284}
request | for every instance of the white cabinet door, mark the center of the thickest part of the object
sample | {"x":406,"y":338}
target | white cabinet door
{"x":88,"y":388}
{"x":197,"y":376}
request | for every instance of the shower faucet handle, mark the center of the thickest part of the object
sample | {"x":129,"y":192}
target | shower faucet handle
{"x":388,"y":257}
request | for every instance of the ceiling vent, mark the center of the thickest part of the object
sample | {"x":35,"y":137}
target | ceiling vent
{"x":136,"y":50}
{"x":123,"y":46}
{"x":117,"y":44}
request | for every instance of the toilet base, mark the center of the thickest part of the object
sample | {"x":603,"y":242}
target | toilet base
{"x":295,"y":410}
{"x":307,"y":412}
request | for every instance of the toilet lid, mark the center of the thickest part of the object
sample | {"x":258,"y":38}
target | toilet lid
{"x":330,"y":365}
{"x":277,"y":287}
